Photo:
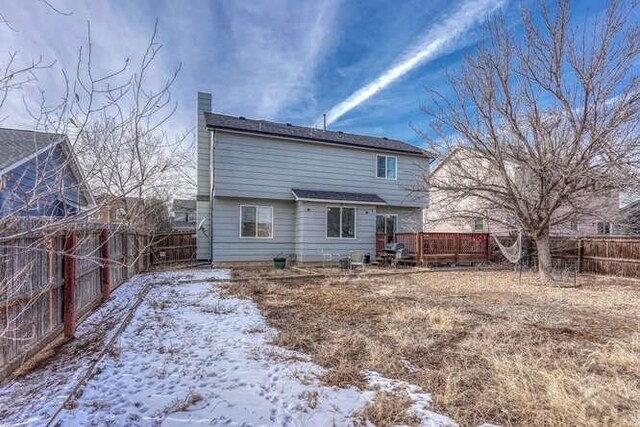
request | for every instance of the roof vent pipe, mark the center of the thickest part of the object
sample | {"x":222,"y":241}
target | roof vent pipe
{"x":324,"y":121}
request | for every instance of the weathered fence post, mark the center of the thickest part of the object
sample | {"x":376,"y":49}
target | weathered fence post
{"x":579,"y":260}
{"x":51,"y":246}
{"x":487,"y":246}
{"x":69,"y":313}
{"x":105,"y":271}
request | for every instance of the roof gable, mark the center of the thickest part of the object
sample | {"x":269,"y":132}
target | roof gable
{"x":20,"y":145}
{"x":264,"y":127}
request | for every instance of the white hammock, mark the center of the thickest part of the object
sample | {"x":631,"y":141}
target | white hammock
{"x":512,"y":253}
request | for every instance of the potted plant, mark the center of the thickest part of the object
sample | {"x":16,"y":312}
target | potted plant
{"x":279,"y":262}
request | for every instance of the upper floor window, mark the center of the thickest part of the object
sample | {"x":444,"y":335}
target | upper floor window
{"x":341,"y":222}
{"x":478,"y":224}
{"x":256,"y":221}
{"x":603,"y":227}
{"x":386,"y":167}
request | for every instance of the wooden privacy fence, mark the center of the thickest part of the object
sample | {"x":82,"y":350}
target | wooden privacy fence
{"x":608,"y":256}
{"x":601,"y":255}
{"x":176,"y":246}
{"x":48,"y":282}
{"x":441,"y":247}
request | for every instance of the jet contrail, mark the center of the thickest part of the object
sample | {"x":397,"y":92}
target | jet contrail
{"x":435,"y":42}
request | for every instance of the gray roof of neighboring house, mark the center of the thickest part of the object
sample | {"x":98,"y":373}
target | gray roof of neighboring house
{"x":184,"y":204}
{"x":337,"y":196}
{"x":16,"y":144}
{"x":221,"y":121}
{"x":631,"y":207}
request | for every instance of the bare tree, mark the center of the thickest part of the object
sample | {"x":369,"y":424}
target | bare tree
{"x":113,"y":125}
{"x":540,"y":127}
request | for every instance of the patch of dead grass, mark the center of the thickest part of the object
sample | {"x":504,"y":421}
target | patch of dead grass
{"x":387,"y":409}
{"x":178,"y":405}
{"x":488,"y":348}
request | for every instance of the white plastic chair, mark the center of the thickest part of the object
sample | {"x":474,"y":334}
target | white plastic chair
{"x":357,"y":259}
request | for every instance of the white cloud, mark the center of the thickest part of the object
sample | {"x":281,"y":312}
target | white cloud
{"x":257,"y":58}
{"x":438,"y":40}
{"x":270,"y":54}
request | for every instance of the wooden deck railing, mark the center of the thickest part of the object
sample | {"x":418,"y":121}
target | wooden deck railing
{"x":442,"y":247}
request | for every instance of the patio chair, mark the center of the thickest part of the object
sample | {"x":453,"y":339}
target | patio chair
{"x":357,"y":259}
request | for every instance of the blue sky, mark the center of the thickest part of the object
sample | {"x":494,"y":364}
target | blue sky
{"x":288,"y":61}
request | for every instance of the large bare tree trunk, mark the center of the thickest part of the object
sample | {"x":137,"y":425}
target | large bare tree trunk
{"x":540,"y":129}
{"x":544,"y":256}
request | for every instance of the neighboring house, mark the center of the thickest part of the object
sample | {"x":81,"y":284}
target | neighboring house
{"x":630,"y":218}
{"x":267,"y":189}
{"x":444,"y":215}
{"x":183,"y":214}
{"x":142,"y":214}
{"x":39,"y":176}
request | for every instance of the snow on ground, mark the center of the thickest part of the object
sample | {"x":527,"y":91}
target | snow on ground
{"x":186,"y":344}
{"x":421,"y":401}
{"x":34,"y":397}
{"x":191,"y":357}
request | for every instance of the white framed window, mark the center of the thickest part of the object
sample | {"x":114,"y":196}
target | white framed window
{"x":386,"y":224}
{"x":478,"y":224}
{"x":256,"y":222}
{"x":604,"y":227}
{"x":573,"y":225}
{"x":386,"y":167}
{"x":341,"y":222}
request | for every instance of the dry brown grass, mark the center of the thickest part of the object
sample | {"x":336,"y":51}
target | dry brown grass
{"x":488,"y":348}
{"x":387,"y":409}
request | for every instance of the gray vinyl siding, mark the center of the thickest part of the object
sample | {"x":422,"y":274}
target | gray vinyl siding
{"x":313,"y":221}
{"x":409,"y":220}
{"x":203,"y":248}
{"x":299,"y":229}
{"x":228,"y":246}
{"x":203,"y":138}
{"x":261,"y":167}
{"x":204,"y":172}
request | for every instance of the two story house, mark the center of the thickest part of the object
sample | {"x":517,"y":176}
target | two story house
{"x":469,"y":215}
{"x":39,"y":176}
{"x":270,"y":189}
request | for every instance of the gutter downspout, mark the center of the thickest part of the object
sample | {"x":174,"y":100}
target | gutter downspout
{"x":212,"y":191}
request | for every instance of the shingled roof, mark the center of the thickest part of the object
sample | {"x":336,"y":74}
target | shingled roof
{"x":337,"y":196}
{"x":264,"y":127}
{"x":17,"y":144}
